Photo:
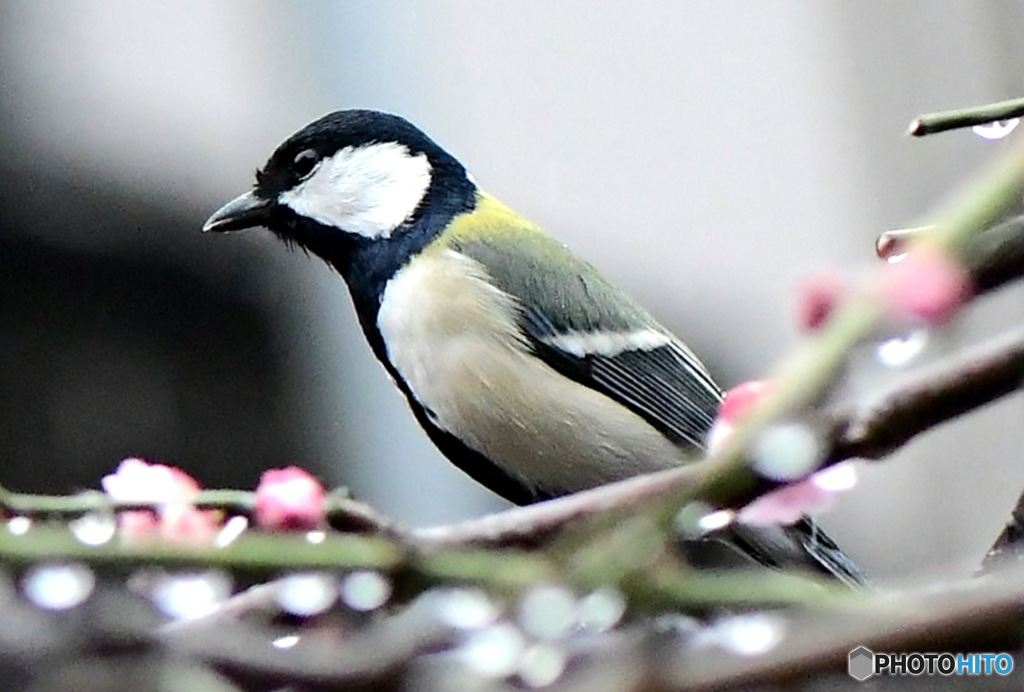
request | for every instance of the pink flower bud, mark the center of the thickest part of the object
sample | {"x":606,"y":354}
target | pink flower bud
{"x":736,"y":403}
{"x":171,"y":490}
{"x":289,"y":499}
{"x":928,"y":284}
{"x":138,"y":481}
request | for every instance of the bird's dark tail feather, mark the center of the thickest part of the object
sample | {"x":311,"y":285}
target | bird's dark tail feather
{"x":802,"y":546}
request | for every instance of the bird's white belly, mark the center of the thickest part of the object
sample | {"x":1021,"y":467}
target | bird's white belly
{"x":452,"y":337}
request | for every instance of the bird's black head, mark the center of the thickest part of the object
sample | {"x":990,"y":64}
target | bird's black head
{"x":364,"y":190}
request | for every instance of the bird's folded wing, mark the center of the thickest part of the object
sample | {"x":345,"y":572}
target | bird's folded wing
{"x":593,"y":333}
{"x":663,"y":384}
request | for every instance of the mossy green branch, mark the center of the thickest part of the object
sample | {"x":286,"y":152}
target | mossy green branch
{"x":255,"y":553}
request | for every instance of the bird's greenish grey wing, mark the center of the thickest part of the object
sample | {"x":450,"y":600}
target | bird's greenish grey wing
{"x":595,"y":334}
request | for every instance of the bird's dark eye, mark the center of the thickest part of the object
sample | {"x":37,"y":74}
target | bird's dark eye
{"x":304,"y":162}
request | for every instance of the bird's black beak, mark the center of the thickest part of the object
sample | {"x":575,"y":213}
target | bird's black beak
{"x":244,"y":211}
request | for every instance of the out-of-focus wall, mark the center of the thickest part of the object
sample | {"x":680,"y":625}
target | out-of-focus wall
{"x":706,"y":156}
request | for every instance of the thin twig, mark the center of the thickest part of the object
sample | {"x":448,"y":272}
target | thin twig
{"x":994,"y":257}
{"x":965,"y":117}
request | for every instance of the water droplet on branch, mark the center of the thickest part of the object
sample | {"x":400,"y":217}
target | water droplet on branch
{"x":365,"y":590}
{"x":494,"y":651}
{"x":191,"y":595}
{"x":996,"y":129}
{"x":900,"y":350}
{"x":787,"y":451}
{"x":548,"y":612}
{"x":94,"y":528}
{"x":58,"y":587}
{"x":307,"y":594}
{"x":466,"y":609}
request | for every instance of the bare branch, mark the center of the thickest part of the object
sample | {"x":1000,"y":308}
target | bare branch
{"x":527,"y":526}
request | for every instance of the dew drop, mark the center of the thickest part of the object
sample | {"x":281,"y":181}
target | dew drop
{"x":94,"y":528}
{"x":842,"y":476}
{"x":493,"y":651}
{"x":996,"y":129}
{"x":465,"y":609}
{"x":697,"y":519}
{"x":306,"y":594}
{"x":541,"y":665}
{"x":191,"y":595}
{"x":601,"y":610}
{"x":900,"y":350}
{"x":316,"y":537}
{"x":285,"y":642}
{"x":688,"y":520}
{"x":713,"y":521}
{"x":365,"y":590}
{"x":19,"y":526}
{"x":787,"y":451}
{"x":749,"y":635}
{"x":58,"y":587}
{"x":232,"y":529}
{"x":547,"y":612}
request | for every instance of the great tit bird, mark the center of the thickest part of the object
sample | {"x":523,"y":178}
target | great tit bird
{"x":529,"y":371}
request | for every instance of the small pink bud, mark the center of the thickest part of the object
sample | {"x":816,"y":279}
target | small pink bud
{"x":740,"y":398}
{"x":928,"y":284}
{"x":819,"y":295}
{"x":183,"y":523}
{"x":736,"y":403}
{"x":289,"y":499}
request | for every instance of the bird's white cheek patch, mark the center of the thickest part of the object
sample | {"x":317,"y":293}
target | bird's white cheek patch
{"x":369,"y":190}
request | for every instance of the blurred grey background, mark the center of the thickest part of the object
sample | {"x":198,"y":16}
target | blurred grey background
{"x":706,"y":156}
